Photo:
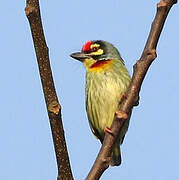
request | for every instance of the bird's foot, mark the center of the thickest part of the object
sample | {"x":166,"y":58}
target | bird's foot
{"x":108,"y":130}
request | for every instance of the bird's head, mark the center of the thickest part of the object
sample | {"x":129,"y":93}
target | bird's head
{"x":97,"y":53}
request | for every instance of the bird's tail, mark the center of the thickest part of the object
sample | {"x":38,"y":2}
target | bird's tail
{"x":116,"y":156}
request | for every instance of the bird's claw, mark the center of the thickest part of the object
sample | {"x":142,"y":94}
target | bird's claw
{"x":108,"y":130}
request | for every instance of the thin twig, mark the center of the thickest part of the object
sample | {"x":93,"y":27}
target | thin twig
{"x":140,"y":70}
{"x":32,"y":11}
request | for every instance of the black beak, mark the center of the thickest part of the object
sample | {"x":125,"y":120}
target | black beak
{"x":79,"y":56}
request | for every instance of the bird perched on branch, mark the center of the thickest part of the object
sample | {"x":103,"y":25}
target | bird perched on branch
{"x":107,"y":80}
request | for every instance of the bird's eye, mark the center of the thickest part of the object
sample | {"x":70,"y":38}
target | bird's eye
{"x":95,"y":49}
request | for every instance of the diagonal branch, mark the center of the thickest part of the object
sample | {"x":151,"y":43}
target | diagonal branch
{"x":140,"y":70}
{"x":32,"y":11}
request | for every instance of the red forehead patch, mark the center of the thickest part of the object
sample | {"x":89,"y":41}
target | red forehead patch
{"x":86,"y":46}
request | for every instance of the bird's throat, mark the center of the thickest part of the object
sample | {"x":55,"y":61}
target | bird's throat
{"x":100,"y":64}
{"x":97,"y":66}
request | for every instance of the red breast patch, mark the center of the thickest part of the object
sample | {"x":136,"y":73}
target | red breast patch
{"x":100,"y":63}
{"x":86,"y":46}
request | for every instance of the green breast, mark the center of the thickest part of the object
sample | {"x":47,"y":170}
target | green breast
{"x":103,"y":92}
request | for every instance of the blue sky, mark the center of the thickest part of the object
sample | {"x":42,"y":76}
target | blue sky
{"x":150,"y":149}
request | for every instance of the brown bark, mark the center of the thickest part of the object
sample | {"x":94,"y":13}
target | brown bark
{"x":32,"y":11}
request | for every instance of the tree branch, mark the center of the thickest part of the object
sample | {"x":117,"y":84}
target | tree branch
{"x":140,"y":70}
{"x":32,"y":11}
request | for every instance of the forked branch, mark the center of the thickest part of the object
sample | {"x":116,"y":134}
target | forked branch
{"x":140,"y":70}
{"x":53,"y":107}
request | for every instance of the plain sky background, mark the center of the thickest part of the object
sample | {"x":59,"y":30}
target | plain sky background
{"x":151,"y":147}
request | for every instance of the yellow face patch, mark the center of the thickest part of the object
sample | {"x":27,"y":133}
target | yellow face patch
{"x":89,"y":62}
{"x":94,"y":46}
{"x":98,"y":52}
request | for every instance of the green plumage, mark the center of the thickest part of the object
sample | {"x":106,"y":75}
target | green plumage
{"x":104,"y":89}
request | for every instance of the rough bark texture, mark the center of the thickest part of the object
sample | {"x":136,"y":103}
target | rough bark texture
{"x":140,"y":70}
{"x":32,"y":11}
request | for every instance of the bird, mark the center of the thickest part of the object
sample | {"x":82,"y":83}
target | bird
{"x":107,"y":80}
